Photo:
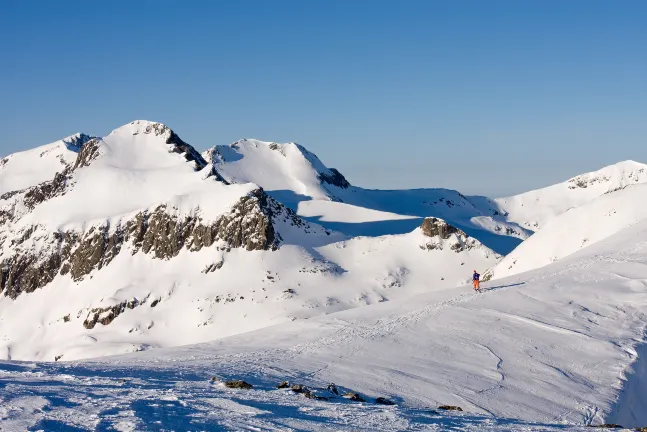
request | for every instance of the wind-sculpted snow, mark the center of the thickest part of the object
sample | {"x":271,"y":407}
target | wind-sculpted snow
{"x":576,"y":229}
{"x":534,"y":209}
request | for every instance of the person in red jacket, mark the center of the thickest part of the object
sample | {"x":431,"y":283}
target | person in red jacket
{"x":477,"y":282}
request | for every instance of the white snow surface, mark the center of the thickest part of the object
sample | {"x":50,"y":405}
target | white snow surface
{"x":293,"y":175}
{"x":533,"y":209}
{"x":28,"y":168}
{"x":551,"y":349}
{"x":576,"y":229}
{"x":556,"y":341}
{"x":313,"y":272}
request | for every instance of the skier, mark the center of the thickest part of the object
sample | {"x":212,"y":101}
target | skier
{"x":477,"y":283}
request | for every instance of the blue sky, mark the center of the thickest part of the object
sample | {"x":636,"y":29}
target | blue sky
{"x":489,"y":97}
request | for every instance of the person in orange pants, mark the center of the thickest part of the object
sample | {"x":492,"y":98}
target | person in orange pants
{"x":477,"y":282}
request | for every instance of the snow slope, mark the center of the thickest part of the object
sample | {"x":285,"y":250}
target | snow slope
{"x":151,"y":246}
{"x":298,"y":179}
{"x":550,"y":349}
{"x":28,"y":168}
{"x":577,"y":228}
{"x":533,"y":209}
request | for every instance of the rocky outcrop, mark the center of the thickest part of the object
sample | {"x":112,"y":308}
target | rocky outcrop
{"x":89,"y":153}
{"x":434,"y":227}
{"x":442,"y":235}
{"x":356,"y":397}
{"x":106,"y":315}
{"x":161,"y":233}
{"x":238,"y":384}
{"x":335,"y":178}
{"x":450,"y":408}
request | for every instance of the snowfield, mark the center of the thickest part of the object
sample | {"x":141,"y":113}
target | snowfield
{"x":547,"y":350}
{"x":138,"y":277}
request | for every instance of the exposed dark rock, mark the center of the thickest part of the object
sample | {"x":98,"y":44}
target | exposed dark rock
{"x":332,"y":388}
{"x":66,"y":318}
{"x":89,"y":153}
{"x":283,"y":385}
{"x":238,"y":384}
{"x":314,"y":396}
{"x":384,"y":401}
{"x":58,"y":357}
{"x":335,"y":178}
{"x":432,"y":227}
{"x":354,"y":397}
{"x":106,"y":315}
{"x":450,"y":408}
{"x":160,"y":232}
{"x":298,"y":388}
{"x":96,"y":250}
{"x":46,"y":190}
{"x":607,"y":426}
{"x":155,"y":302}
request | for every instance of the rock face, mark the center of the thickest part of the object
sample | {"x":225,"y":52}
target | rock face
{"x":335,"y":178}
{"x":442,"y":235}
{"x":238,"y":384}
{"x":32,"y":256}
{"x":160,"y":233}
{"x":432,"y":227}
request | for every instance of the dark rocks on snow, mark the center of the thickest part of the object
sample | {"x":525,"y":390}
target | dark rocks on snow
{"x":384,"y":401}
{"x":607,"y":426}
{"x":335,"y":178}
{"x":332,"y":388}
{"x":432,"y":227}
{"x":450,"y":408}
{"x":283,"y":385}
{"x":213,"y":267}
{"x":58,"y":357}
{"x":89,"y":153}
{"x":354,"y":397}
{"x":248,"y":225}
{"x":298,"y":388}
{"x":155,"y":302}
{"x":106,"y":315}
{"x":238,"y":384}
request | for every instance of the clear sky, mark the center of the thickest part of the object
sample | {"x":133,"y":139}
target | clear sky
{"x":489,"y":97}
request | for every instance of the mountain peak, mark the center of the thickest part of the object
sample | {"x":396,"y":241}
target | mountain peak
{"x":139,"y":128}
{"x":613,"y":177}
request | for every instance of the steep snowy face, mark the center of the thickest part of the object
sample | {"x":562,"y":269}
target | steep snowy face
{"x":28,"y":168}
{"x":276,"y":167}
{"x":576,"y":229}
{"x":533,"y":209}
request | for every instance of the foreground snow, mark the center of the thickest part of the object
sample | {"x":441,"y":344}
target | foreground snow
{"x":78,"y":398}
{"x":551,"y":349}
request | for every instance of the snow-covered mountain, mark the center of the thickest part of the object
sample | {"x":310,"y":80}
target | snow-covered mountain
{"x":560,"y":348}
{"x":533,"y":209}
{"x":150,"y":245}
{"x":28,"y":168}
{"x":298,"y":179}
{"x":117,"y":244}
